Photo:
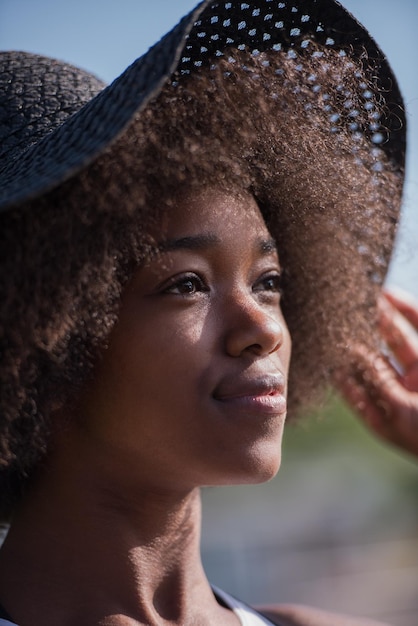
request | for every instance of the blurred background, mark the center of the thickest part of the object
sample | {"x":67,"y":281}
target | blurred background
{"x":338,"y":527}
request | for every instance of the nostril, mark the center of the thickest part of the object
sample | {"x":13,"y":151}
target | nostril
{"x":257,"y":333}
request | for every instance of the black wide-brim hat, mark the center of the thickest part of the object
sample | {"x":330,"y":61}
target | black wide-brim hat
{"x":55,"y":119}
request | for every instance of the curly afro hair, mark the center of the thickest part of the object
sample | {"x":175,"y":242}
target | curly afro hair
{"x":329,"y":196}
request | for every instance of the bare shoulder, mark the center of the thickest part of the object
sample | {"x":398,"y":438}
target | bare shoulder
{"x":299,"y":615}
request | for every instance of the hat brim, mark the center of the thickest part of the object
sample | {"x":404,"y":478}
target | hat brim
{"x":203,"y":35}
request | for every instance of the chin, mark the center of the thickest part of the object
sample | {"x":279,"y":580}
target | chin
{"x":263,"y":474}
{"x":264,"y":461}
{"x":253,"y":469}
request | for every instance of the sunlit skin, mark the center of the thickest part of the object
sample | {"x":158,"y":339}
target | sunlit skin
{"x":191,"y":391}
{"x":193,"y":386}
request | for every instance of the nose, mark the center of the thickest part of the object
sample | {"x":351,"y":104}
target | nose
{"x":253,"y":328}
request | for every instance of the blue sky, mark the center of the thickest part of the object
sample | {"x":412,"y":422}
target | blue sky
{"x":105,"y":36}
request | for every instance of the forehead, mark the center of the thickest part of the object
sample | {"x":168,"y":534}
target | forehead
{"x":213,"y":210}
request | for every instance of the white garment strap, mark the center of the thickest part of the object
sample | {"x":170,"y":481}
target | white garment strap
{"x":246,"y":615}
{"x":5,"y":622}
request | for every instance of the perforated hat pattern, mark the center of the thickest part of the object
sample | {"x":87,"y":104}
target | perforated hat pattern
{"x":44,"y":143}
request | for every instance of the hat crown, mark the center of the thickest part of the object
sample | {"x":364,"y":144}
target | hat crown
{"x":38,"y":95}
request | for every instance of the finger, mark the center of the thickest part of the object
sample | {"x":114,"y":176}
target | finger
{"x":383,"y":403}
{"x":395,"y":414}
{"x":400,"y":336}
{"x":357,"y":397}
{"x":404,"y":303}
{"x":410,"y":378}
{"x":378,"y":418}
{"x":360,"y":383}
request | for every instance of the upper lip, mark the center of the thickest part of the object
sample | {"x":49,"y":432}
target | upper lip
{"x":260,"y":385}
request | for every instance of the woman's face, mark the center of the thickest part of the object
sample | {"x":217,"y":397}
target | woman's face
{"x":192,"y":389}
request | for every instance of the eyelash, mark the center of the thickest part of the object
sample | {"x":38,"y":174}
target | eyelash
{"x":275,"y":280}
{"x":193,"y":280}
{"x":189,"y":284}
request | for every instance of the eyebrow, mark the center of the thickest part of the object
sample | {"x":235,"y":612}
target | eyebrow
{"x":267,"y":246}
{"x":208,"y":240}
{"x":191,"y":242}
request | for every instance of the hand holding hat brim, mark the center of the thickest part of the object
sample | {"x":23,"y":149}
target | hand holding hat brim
{"x":384,"y":391}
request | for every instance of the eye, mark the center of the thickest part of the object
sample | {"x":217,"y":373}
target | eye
{"x":185,"y":285}
{"x":269,"y":282}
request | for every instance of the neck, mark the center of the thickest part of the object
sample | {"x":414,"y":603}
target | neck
{"x":79,"y":552}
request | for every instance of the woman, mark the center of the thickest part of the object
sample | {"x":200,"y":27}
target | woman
{"x":147,"y":235}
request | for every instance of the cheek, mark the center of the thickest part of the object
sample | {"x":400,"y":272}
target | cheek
{"x":147,"y":383}
{"x":286,"y":346}
{"x":288,"y":350}
{"x":140,"y":363}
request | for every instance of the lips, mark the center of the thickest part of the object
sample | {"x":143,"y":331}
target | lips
{"x":265,"y":393}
